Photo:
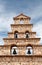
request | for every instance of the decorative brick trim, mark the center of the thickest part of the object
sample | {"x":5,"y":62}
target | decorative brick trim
{"x":21,"y":39}
{"x":20,"y":55}
{"x":22,"y":32}
{"x":21,"y":24}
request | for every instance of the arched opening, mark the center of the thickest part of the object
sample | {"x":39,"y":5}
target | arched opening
{"x":27,"y":34}
{"x":13,"y":50}
{"x":16,"y":34}
{"x":21,"y":21}
{"x":29,"y":50}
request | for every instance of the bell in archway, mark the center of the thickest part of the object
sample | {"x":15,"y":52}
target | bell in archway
{"x":14,"y":52}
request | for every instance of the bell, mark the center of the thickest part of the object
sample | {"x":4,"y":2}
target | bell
{"x":16,"y":35}
{"x":28,"y":52}
{"x":27,"y":36}
{"x":14,"y":52}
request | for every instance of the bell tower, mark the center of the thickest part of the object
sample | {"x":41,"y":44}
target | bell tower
{"x":22,"y":46}
{"x":21,"y":36}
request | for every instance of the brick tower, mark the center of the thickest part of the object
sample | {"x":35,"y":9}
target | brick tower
{"x":22,"y":47}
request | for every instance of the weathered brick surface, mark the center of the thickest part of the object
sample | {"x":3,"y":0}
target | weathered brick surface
{"x":20,"y":60}
{"x":21,"y":42}
{"x":4,"y":50}
{"x":21,"y":28}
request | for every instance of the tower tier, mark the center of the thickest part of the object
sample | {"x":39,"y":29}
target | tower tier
{"x":21,"y":27}
{"x":22,"y":35}
{"x":21,"y":41}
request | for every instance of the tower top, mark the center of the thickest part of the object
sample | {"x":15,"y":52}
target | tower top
{"x":21,"y":16}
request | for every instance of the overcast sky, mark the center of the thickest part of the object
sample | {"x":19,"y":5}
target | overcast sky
{"x":11,"y":8}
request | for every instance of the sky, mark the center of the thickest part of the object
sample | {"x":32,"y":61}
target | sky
{"x":12,"y":8}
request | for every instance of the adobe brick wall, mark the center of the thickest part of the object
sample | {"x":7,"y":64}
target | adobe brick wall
{"x":21,"y":28}
{"x":20,"y":60}
{"x":21,"y":42}
{"x":4,"y":50}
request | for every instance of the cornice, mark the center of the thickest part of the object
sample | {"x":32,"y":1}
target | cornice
{"x":21,"y":24}
{"x":21,"y":56}
{"x":21,"y":38}
{"x":33,"y":45}
{"x":22,"y":32}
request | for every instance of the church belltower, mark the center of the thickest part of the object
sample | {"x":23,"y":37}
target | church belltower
{"x":21,"y":47}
